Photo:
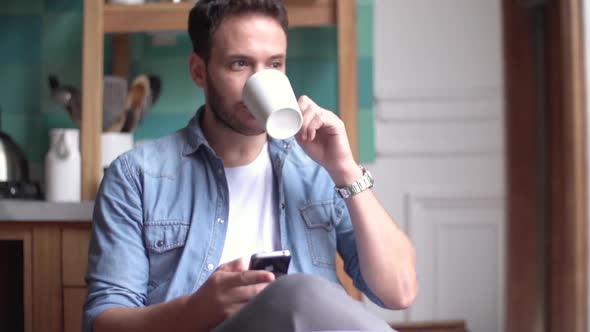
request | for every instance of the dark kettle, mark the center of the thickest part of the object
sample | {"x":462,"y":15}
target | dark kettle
{"x":13,"y":163}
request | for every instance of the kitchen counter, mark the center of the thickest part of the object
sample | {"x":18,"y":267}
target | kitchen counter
{"x":36,"y":211}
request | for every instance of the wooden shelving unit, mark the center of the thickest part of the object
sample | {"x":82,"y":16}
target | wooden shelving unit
{"x":120,"y":20}
{"x":173,"y":17}
{"x":100,"y":19}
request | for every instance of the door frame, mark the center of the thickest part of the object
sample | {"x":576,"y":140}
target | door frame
{"x":547,"y":269}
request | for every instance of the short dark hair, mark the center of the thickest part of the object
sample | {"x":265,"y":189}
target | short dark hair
{"x":207,"y":15}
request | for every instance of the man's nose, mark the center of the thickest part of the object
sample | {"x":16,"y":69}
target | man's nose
{"x":259,"y":67}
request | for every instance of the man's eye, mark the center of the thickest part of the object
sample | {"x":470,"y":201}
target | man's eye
{"x":276,"y":64}
{"x":239,"y":64}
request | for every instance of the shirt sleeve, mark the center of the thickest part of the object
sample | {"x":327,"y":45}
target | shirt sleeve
{"x":346,"y":244}
{"x":118,"y":267}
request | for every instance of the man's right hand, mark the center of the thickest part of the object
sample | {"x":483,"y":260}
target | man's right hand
{"x":227,"y":290}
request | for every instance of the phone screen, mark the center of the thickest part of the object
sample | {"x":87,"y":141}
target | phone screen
{"x":276,"y":262}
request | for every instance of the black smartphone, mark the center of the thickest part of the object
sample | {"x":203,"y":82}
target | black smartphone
{"x":276,"y":262}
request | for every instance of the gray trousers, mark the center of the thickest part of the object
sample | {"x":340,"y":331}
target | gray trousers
{"x":303,"y":303}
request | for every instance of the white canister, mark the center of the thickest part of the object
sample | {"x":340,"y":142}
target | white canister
{"x":63,"y":166}
{"x":114,"y":144}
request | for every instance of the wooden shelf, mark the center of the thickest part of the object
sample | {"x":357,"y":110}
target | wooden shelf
{"x":312,"y":12}
{"x":146,"y":18}
{"x":174,"y":17}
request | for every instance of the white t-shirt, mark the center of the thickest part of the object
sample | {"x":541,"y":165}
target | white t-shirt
{"x":253,"y":217}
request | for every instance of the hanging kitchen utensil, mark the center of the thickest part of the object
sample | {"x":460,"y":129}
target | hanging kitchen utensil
{"x":138,"y":96}
{"x":67,"y":96}
{"x":155,"y":91}
{"x":114,"y":98}
{"x":144,"y":92}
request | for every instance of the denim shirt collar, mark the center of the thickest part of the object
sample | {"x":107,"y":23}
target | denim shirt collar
{"x":194,"y":134}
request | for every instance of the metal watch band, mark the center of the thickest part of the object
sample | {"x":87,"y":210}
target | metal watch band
{"x":363,"y":183}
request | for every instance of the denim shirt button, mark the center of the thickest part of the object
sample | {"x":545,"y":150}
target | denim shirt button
{"x":220,"y":221}
{"x":286,"y":146}
{"x":159,"y":244}
{"x":282,"y":206}
{"x":209,"y":266}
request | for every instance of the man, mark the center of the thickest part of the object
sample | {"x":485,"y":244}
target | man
{"x":174,"y":218}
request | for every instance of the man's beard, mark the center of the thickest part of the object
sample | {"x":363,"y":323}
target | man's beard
{"x":224,"y":114}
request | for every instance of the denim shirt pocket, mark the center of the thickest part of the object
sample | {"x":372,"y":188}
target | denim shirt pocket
{"x":164,"y":241}
{"x":320,"y":224}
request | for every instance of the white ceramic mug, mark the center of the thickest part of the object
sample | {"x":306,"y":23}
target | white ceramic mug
{"x":268,"y":95}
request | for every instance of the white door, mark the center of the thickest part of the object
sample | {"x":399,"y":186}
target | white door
{"x":440,"y":157}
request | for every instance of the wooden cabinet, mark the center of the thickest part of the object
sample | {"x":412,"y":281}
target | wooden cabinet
{"x":74,"y":253}
{"x":73,"y":302}
{"x":54,"y":260}
{"x":74,"y":258}
{"x":16,"y":245}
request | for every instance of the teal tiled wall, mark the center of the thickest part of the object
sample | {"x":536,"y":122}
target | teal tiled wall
{"x":40,"y":37}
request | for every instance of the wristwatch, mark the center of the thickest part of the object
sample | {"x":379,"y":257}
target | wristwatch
{"x":363,"y":183}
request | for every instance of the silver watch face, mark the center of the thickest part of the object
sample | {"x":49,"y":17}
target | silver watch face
{"x":343,"y":192}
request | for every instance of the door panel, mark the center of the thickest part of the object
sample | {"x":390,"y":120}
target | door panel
{"x":440,"y":152}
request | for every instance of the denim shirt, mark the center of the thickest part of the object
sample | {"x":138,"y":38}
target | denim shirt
{"x":160,"y":221}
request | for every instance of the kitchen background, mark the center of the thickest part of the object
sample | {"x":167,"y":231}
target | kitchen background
{"x":43,"y":37}
{"x":431,"y":117}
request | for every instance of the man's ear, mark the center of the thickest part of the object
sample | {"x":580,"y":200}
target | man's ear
{"x":198,"y":70}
